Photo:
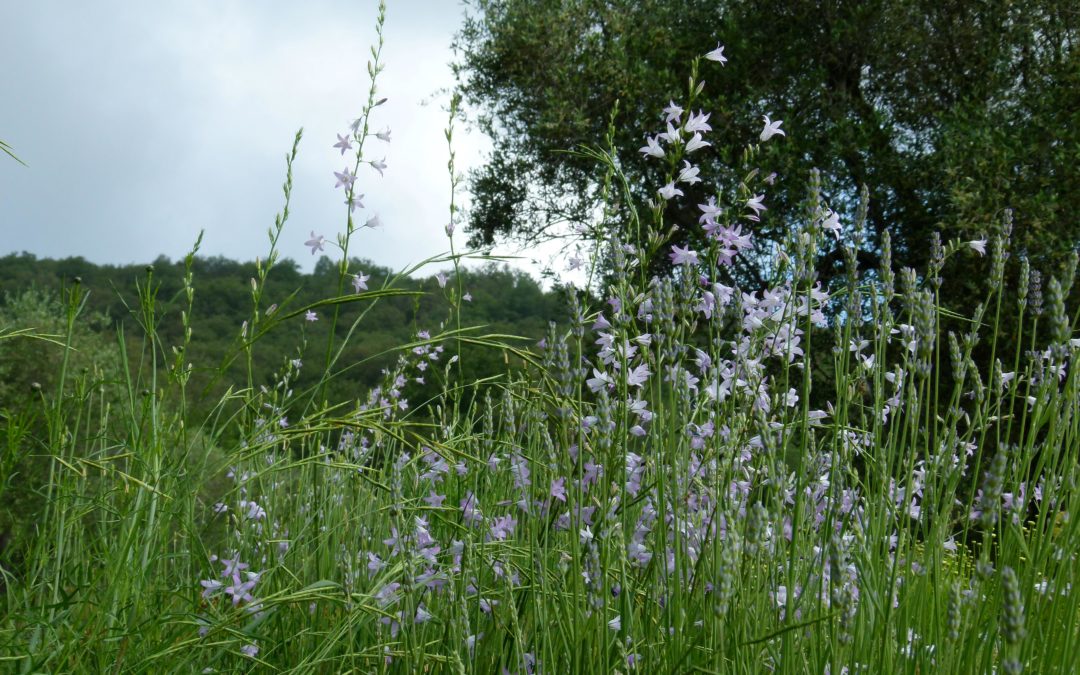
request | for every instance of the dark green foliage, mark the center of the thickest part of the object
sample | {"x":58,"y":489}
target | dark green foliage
{"x":948,"y":112}
{"x":503,"y":301}
{"x":29,"y":375}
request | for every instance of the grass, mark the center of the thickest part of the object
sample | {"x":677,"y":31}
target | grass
{"x":652,"y":492}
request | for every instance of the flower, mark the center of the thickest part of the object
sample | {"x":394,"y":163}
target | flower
{"x":311,"y":316}
{"x":345,"y":178}
{"x":380,"y":164}
{"x":689,"y":174}
{"x":832,"y":224}
{"x":354,"y":202}
{"x":598,"y":381}
{"x":316,"y":242}
{"x":771,"y":129}
{"x":683,"y":256}
{"x":359,"y":281}
{"x":755,"y":204}
{"x":384,"y":135}
{"x":251,"y":650}
{"x":210,"y":586}
{"x":673,"y":112}
{"x":253,"y":510}
{"x":558,"y":489}
{"x":652,"y":147}
{"x":669,"y":191}
{"x":672,"y":134}
{"x":978,"y":245}
{"x":441,"y":278}
{"x":717,"y":55}
{"x":638,"y":376}
{"x":698,"y":122}
{"x":373,"y":222}
{"x":344,"y":143}
{"x":696,"y":143}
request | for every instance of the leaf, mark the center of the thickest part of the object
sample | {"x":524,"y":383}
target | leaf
{"x":10,"y":153}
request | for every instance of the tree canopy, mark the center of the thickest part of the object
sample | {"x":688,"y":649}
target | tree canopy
{"x":948,"y":112}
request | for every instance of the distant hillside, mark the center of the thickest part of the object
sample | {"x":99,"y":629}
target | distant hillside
{"x":503,"y":300}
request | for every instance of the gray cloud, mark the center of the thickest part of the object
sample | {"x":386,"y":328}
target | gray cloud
{"x":143,"y":123}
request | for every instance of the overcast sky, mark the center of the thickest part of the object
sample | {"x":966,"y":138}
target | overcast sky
{"x":144,"y":122}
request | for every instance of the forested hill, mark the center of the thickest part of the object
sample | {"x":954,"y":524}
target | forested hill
{"x":498,"y":298}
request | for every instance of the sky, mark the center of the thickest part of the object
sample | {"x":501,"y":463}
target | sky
{"x":143,"y":123}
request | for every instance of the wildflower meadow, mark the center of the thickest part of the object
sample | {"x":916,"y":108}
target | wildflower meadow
{"x":688,"y":476}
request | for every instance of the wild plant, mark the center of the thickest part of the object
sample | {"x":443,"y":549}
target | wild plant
{"x":661,"y":486}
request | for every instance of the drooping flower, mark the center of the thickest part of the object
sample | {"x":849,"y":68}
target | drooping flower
{"x":717,"y":55}
{"x":373,"y":222}
{"x":978,"y":245}
{"x":771,"y":129}
{"x":384,"y":135}
{"x":380,"y":165}
{"x":755,"y":204}
{"x":316,"y":242}
{"x":832,"y":224}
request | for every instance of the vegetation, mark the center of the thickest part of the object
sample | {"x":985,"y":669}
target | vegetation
{"x":654,"y":488}
{"x":947,"y":112}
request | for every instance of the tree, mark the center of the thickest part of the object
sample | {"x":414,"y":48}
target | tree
{"x":947,"y":111}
